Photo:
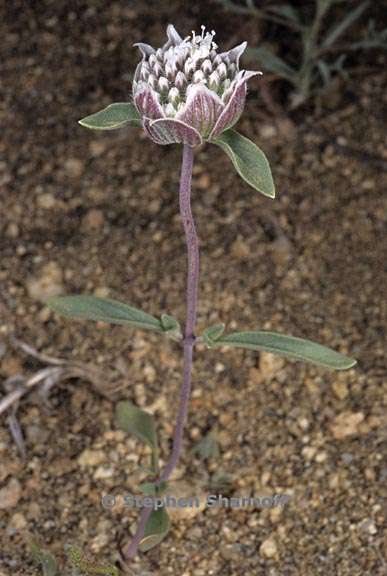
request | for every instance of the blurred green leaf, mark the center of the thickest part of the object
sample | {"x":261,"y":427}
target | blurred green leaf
{"x":208,"y":447}
{"x":103,"y":310}
{"x":324,"y":71}
{"x":272,"y":63}
{"x":151,"y":489}
{"x":248,"y":160}
{"x":171,"y":327}
{"x":297,"y":348}
{"x":156,"y":529}
{"x":83,"y":566}
{"x":138,"y":422}
{"x":338,"y":29}
{"x":212,"y":333}
{"x":45,"y":559}
{"x":113,"y":116}
{"x":287,"y":11}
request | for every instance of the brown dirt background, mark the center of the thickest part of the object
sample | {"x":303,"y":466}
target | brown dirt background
{"x":98,"y":213}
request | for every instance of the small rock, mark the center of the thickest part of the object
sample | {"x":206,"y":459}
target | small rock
{"x":17,"y":522}
{"x":49,"y":283}
{"x":12,"y":230}
{"x":268,"y":131}
{"x":269,"y":365}
{"x":46,"y":201}
{"x":94,"y":220}
{"x":340,"y":389}
{"x":268,"y":548}
{"x":102,"y":473}
{"x":203,"y":182}
{"x":240,"y":249}
{"x":74,"y":167}
{"x":10,"y":494}
{"x":368,"y":526}
{"x":91,"y":458}
{"x":185,"y":490}
{"x":346,"y":424}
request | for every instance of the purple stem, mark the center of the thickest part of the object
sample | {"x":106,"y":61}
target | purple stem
{"x":189,"y":336}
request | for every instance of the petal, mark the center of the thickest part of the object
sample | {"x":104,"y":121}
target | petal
{"x":146,"y":102}
{"x":137,"y":75}
{"x":173,"y":35}
{"x":234,"y":107}
{"x":234,"y":54}
{"x":171,"y":131}
{"x":202,"y":109}
{"x":146,"y":49}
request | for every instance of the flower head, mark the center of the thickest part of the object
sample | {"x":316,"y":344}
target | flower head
{"x":186,"y":92}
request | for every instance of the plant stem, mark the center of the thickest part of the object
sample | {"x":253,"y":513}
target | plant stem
{"x":189,"y":336}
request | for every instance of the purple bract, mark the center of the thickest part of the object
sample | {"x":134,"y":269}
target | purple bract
{"x":185,"y":92}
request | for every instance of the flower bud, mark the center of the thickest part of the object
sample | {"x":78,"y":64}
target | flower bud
{"x":186,"y":92}
{"x":163,"y":84}
{"x":214,"y":81}
{"x":180,"y":81}
{"x":207,"y":67}
{"x":198,"y":77}
{"x":174,"y":96}
{"x":222,"y":71}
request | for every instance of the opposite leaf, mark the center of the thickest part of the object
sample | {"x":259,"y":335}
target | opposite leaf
{"x":288,"y":346}
{"x":155,"y":530}
{"x":138,"y":422}
{"x":249,"y":161}
{"x":212,"y":333}
{"x":103,"y":310}
{"x":113,"y":116}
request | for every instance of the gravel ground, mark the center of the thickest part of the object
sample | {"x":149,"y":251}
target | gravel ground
{"x":92,"y":213}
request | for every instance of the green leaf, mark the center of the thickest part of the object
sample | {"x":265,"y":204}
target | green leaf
{"x":288,"y":346}
{"x":213,"y":333}
{"x":45,"y":559}
{"x":338,"y":29}
{"x":151,"y":489}
{"x":156,"y":529}
{"x":171,"y":327}
{"x":84,"y":566}
{"x":249,"y":161}
{"x":113,"y":116}
{"x":103,"y":310}
{"x":138,"y":422}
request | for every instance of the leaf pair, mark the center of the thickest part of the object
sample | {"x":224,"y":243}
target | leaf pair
{"x":142,"y":425}
{"x":289,"y":346}
{"x":248,"y":160}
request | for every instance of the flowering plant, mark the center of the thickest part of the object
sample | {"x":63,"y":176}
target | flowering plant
{"x":187,"y":93}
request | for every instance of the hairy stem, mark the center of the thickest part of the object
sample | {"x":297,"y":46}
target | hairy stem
{"x":189,"y":336}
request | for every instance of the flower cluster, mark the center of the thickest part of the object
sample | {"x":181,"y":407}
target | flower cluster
{"x":186,"y":92}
